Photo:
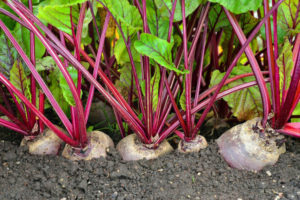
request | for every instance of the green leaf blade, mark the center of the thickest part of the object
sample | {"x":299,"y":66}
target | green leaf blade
{"x":19,"y":79}
{"x":245,"y":104}
{"x":239,"y":6}
{"x":67,"y":94}
{"x":126,"y":15}
{"x":157,"y":49}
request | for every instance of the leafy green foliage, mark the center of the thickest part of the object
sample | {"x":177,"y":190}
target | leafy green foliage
{"x":126,"y":75}
{"x":22,"y":35}
{"x":121,"y":53}
{"x":126,"y":15}
{"x":165,"y":8}
{"x":45,"y":64}
{"x":157,"y":49}
{"x":57,"y":13}
{"x":65,"y":87}
{"x":239,"y":6}
{"x":281,"y":33}
{"x":154,"y":87}
{"x":56,"y":82}
{"x":8,"y":55}
{"x":56,"y":90}
{"x":246,"y":21}
{"x":287,"y":20}
{"x":48,"y":69}
{"x":217,"y":19}
{"x":158,"y":25}
{"x":296,"y":112}
{"x":19,"y":79}
{"x":10,"y":23}
{"x":34,"y":2}
{"x":285,"y":64}
{"x":245,"y":104}
{"x":182,"y":99}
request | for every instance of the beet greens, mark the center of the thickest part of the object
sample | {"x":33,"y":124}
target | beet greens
{"x":162,"y":65}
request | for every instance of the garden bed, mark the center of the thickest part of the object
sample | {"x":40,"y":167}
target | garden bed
{"x":201,"y":175}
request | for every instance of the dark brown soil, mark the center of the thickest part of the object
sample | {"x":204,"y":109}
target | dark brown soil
{"x":201,"y":175}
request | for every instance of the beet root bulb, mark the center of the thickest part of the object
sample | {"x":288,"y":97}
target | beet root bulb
{"x":251,"y":147}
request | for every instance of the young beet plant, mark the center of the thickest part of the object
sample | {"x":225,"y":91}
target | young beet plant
{"x":259,"y":142}
{"x":161,"y":79}
{"x":150,"y":128}
{"x":19,"y":116}
{"x":146,"y":46}
{"x":84,"y":145}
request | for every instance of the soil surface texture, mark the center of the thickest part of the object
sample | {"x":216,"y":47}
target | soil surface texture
{"x":194,"y":176}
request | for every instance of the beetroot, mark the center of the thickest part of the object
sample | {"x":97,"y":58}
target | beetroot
{"x":250,"y":147}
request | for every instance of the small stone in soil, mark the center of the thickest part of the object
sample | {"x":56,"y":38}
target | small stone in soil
{"x":291,"y":196}
{"x":114,"y":195}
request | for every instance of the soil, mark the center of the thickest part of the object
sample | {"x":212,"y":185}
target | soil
{"x":177,"y":176}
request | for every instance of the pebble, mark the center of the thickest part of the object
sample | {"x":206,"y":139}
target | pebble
{"x":291,"y":196}
{"x":114,"y":195}
{"x":269,"y":173}
{"x":279,"y":196}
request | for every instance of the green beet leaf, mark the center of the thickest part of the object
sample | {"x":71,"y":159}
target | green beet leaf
{"x":126,"y":15}
{"x":158,"y":49}
{"x":296,"y":112}
{"x":158,"y":24}
{"x":57,"y":13}
{"x":121,"y":53}
{"x":165,"y":8}
{"x":67,"y":94}
{"x":155,"y":87}
{"x":48,"y":69}
{"x":19,"y":79}
{"x":217,"y":19}
{"x":182,"y":99}
{"x":8,"y":55}
{"x":287,"y":20}
{"x":9,"y":22}
{"x":239,"y":6}
{"x":57,"y":92}
{"x":22,"y":35}
{"x":126,"y":75}
{"x":245,"y":104}
{"x":45,"y":64}
{"x":285,"y":64}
